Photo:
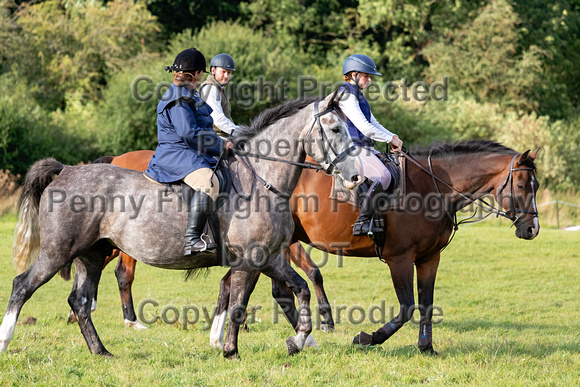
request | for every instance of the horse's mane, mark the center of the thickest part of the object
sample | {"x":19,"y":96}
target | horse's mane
{"x":270,"y":116}
{"x":444,"y":149}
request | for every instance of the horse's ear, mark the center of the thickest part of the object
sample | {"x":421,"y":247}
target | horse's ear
{"x":534,"y":154}
{"x":332,"y":98}
{"x":523,"y":157}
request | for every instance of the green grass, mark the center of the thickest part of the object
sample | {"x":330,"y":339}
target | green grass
{"x":511,"y":317}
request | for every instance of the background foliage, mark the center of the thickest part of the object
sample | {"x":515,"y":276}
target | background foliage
{"x":70,"y":71}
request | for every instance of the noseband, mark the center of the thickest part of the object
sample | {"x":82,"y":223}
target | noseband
{"x":513,"y":212}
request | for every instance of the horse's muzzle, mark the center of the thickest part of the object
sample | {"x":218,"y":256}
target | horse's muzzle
{"x":528,"y":229}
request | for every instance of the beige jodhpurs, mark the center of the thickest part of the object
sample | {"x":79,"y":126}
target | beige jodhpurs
{"x":199,"y":180}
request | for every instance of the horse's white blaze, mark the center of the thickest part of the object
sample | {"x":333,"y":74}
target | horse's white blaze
{"x":216,"y":336}
{"x":7,"y":330}
{"x":536,"y":223}
{"x":135,"y":325}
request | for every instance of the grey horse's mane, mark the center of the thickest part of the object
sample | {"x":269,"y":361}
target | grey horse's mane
{"x":444,"y":149}
{"x":270,"y":116}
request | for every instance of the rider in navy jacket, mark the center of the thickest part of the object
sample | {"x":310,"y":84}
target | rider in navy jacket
{"x":187,"y":141}
{"x":188,"y":146}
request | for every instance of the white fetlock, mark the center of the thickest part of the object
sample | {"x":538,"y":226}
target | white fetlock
{"x":7,"y":330}
{"x":216,"y":336}
{"x":135,"y":325}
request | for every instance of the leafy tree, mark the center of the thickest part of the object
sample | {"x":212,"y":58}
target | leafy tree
{"x":481,"y":58}
{"x":75,"y":47}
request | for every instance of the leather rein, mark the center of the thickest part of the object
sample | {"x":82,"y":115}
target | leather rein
{"x":510,"y":214}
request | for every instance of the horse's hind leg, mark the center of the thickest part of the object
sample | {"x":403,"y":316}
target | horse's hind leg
{"x":301,"y":258}
{"x":426,"y":273}
{"x":125,"y":272}
{"x":285,"y":298}
{"x":24,"y":286}
{"x":71,"y":316}
{"x":216,"y":336}
{"x":279,"y":269}
{"x":89,"y":267}
{"x":242,"y":286}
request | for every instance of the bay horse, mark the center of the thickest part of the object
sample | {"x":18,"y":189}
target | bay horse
{"x":446,"y":178}
{"x":72,"y":214}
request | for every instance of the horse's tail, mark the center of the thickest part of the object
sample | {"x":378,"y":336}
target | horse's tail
{"x":27,"y":231}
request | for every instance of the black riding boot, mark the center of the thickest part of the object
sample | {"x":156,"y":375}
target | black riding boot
{"x":363,"y":223}
{"x":200,"y":206}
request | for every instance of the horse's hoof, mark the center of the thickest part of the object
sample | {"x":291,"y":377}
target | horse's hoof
{"x":135,"y":325}
{"x":106,"y":354}
{"x":363,"y":338}
{"x":216,"y":343}
{"x":327,"y":328}
{"x":429,"y":350}
{"x":292,"y":347}
{"x":311,"y":343}
{"x":232,"y":355}
{"x":71,"y":318}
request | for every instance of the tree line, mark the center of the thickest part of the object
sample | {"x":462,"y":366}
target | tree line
{"x":73,"y":73}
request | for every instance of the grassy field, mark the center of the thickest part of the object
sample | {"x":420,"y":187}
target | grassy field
{"x":511,"y":316}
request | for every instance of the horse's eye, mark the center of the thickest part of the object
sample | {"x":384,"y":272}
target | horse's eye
{"x":520,"y":186}
{"x":335,"y":129}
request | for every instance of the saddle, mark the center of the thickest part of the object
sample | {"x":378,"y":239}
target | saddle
{"x":396,"y":164}
{"x":212,"y":227}
{"x":392,"y":199}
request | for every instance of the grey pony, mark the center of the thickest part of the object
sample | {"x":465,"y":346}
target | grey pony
{"x":56,"y":226}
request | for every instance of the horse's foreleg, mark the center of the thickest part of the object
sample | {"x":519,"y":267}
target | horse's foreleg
{"x":301,"y":258}
{"x":242,"y":286}
{"x":125,"y":272}
{"x":426,"y":273}
{"x":402,"y":275}
{"x":23,"y":287}
{"x":88,"y":273}
{"x":280,"y":270}
{"x":216,"y":336}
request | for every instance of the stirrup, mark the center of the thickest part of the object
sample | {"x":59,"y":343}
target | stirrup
{"x":196,"y":248}
{"x":361,"y":228}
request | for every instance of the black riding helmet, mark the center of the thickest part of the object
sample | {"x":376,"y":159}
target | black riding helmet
{"x":188,"y":60}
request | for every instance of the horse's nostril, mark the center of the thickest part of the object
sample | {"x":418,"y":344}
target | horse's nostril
{"x":354,"y":179}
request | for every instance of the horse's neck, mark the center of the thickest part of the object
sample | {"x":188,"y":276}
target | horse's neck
{"x":474,"y":175}
{"x":281,"y":141}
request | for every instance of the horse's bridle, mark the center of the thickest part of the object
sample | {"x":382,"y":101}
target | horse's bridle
{"x":338,"y":157}
{"x":510,"y":214}
{"x":308,"y":165}
{"x":514,"y":210}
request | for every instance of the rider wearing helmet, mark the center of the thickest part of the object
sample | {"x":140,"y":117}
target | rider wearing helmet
{"x":212,"y":91}
{"x":188,"y":145}
{"x":364,"y":130}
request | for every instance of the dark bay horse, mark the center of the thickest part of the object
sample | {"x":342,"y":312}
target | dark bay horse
{"x":415,"y":236}
{"x":82,"y":213}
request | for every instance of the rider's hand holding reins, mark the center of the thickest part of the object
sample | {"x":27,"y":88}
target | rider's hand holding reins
{"x":396,"y":144}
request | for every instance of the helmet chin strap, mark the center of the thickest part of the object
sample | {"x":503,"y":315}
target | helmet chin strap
{"x":355,"y":79}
